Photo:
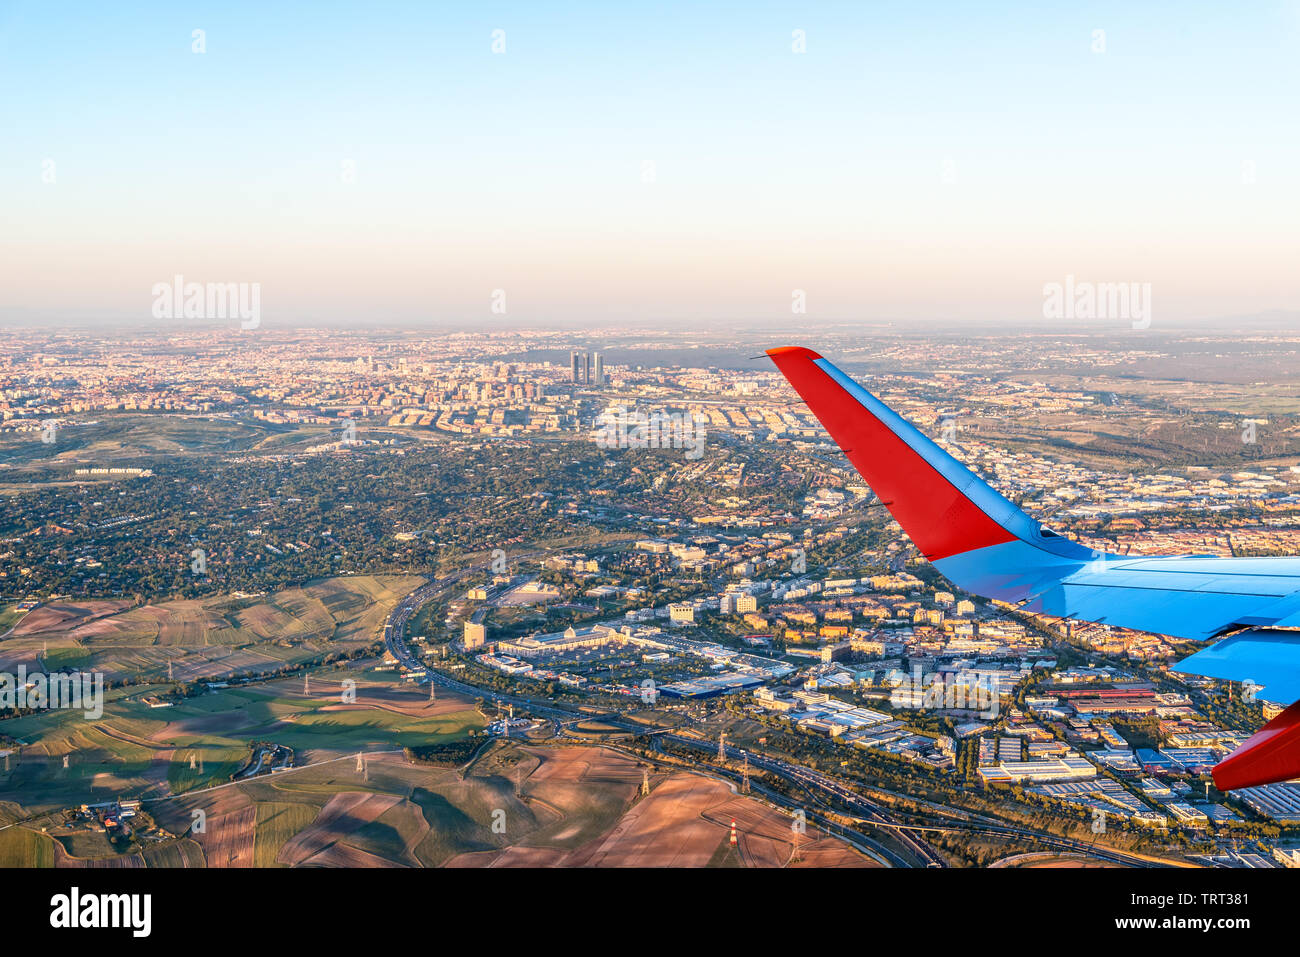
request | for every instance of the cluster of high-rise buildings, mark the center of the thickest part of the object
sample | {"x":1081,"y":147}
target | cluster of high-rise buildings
{"x":586,"y":368}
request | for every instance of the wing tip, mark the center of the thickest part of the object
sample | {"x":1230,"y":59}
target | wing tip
{"x":1270,"y":756}
{"x":793,"y":352}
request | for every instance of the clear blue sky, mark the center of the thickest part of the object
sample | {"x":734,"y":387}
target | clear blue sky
{"x":919,"y":160}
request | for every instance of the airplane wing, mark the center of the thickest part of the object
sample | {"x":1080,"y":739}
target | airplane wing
{"x":986,"y":545}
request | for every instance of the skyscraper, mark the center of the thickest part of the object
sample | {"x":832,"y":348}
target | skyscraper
{"x":597,"y":369}
{"x":576,"y":365}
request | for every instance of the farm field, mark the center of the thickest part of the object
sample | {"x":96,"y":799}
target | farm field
{"x":513,"y":805}
{"x":206,"y":639}
{"x":138,"y":751}
{"x":684,"y":822}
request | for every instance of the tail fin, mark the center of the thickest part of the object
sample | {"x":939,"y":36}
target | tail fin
{"x":944,"y":507}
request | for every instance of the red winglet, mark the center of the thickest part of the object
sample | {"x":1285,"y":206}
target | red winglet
{"x":1272,"y":754}
{"x":938,"y":517}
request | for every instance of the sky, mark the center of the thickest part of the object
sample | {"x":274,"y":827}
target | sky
{"x":382,"y":163}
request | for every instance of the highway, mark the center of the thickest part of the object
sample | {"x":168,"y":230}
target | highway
{"x":957,"y":819}
{"x":815,"y":783}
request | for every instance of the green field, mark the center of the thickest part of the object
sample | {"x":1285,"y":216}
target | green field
{"x":20,"y":847}
{"x":135,"y":750}
{"x":215,"y":763}
{"x":276,"y":823}
{"x":9,"y":616}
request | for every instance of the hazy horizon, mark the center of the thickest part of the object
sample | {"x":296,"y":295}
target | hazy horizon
{"x":593,"y":165}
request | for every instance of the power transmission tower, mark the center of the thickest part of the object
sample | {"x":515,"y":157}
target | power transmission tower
{"x":744,"y":779}
{"x":306,"y":684}
{"x":645,"y":780}
{"x":722,"y":747}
